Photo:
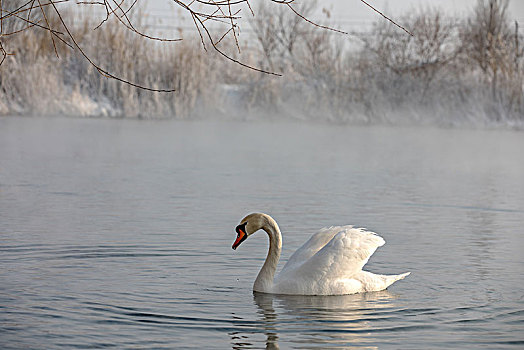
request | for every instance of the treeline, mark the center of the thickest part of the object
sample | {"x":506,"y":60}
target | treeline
{"x":451,"y":71}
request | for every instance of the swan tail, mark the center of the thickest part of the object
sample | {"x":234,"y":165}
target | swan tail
{"x":402,"y":276}
{"x":372,"y":282}
{"x":393,"y":278}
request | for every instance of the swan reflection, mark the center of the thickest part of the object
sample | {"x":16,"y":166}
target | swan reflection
{"x":314,"y":321}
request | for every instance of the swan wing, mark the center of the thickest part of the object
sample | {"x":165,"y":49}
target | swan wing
{"x":342,"y":257}
{"x":312,"y":246}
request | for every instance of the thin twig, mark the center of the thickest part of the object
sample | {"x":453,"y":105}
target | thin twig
{"x":21,"y":9}
{"x":9,"y":14}
{"x":130,"y":26}
{"x":52,"y":31}
{"x":386,"y":17}
{"x":313,"y":23}
{"x":48,"y":26}
{"x":105,"y":19}
{"x":97,"y":67}
{"x":3,"y":53}
{"x":235,"y":60}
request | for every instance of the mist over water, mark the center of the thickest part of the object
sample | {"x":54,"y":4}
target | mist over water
{"x":118,"y":233}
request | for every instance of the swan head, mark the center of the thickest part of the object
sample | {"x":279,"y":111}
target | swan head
{"x":249,"y":225}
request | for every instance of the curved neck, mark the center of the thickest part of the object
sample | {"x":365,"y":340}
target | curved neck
{"x":264,"y":281}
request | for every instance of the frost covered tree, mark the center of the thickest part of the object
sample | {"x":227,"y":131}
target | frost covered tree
{"x":489,"y":41}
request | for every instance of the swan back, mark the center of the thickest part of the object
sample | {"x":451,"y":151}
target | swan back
{"x":312,"y":246}
{"x":333,"y":266}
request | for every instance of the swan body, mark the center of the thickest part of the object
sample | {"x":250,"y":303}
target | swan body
{"x":329,"y":263}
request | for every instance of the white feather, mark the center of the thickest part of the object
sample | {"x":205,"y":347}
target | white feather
{"x":329,"y":263}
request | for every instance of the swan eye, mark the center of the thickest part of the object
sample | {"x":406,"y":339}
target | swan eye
{"x":241,"y":235}
{"x":241,"y":228}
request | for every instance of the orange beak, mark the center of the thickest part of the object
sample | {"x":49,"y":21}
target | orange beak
{"x":241,"y":236}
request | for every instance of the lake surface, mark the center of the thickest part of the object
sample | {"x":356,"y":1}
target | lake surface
{"x":118,"y":233}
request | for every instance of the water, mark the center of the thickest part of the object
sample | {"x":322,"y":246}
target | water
{"x":117,"y":233}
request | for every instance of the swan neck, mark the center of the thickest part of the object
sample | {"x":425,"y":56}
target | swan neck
{"x":264,"y":281}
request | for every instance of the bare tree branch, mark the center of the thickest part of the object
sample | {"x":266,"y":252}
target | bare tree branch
{"x":201,"y":11}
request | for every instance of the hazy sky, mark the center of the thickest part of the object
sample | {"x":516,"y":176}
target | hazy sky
{"x":346,"y":13}
{"x":354,"y":9}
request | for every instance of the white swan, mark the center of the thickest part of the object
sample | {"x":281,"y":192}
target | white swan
{"x":329,"y":263}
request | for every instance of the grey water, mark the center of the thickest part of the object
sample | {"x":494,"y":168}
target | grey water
{"x":118,"y":233}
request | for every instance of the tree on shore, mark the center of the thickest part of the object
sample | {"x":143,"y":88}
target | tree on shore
{"x":489,"y":41}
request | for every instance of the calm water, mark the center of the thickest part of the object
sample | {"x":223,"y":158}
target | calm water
{"x":118,"y":233}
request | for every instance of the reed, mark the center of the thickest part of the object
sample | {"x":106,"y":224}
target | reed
{"x":35,"y":81}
